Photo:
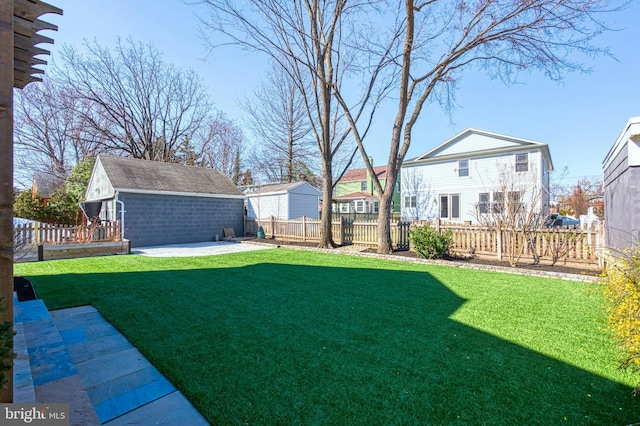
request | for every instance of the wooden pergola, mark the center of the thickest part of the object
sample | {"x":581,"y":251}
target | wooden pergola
{"x":19,"y":27}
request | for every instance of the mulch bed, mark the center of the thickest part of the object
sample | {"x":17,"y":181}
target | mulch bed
{"x":471,"y":260}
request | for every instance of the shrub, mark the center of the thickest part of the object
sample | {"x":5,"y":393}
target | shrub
{"x":429,"y":243}
{"x":621,"y":287}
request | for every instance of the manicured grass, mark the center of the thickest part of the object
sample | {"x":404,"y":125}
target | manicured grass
{"x":294,"y":337}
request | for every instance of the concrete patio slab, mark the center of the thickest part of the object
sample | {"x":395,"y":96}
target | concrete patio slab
{"x":197,"y":249}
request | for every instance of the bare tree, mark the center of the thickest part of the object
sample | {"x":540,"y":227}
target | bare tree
{"x":222,"y":143}
{"x":581,"y":195}
{"x":281,"y":129}
{"x":442,"y":39}
{"x":49,"y":136}
{"x":141,"y":106}
{"x":512,"y":205}
{"x":306,"y":39}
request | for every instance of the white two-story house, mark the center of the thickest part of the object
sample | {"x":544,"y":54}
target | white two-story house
{"x":475,"y":174}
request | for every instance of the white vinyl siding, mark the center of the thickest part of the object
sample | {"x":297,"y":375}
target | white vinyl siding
{"x":441,"y":177}
{"x":303,"y":200}
{"x":476,"y":143}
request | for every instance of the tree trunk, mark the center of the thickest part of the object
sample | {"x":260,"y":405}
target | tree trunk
{"x":384,"y":222}
{"x":6,"y":178}
{"x":326,"y":233}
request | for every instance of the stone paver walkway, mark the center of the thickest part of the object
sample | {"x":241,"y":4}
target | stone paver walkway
{"x":77,"y":357}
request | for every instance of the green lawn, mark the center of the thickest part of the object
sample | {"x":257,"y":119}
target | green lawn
{"x":295,"y":337}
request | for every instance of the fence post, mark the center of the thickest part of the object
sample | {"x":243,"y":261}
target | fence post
{"x":499,"y":240}
{"x":438,"y":226}
{"x":304,"y":228}
{"x":273,"y":226}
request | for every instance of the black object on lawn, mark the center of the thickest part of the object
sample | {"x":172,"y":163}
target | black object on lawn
{"x":24,"y":289}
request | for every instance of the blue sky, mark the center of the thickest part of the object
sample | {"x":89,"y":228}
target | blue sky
{"x":580,"y":118}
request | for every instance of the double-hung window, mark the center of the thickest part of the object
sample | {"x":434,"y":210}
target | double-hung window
{"x":463,"y":168}
{"x":410,"y":201}
{"x":522,"y":162}
{"x":483,"y":203}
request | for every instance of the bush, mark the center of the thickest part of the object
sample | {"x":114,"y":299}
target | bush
{"x":621,"y":287}
{"x":429,"y":243}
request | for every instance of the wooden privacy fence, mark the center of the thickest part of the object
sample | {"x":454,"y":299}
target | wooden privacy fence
{"x":550,"y":244}
{"x":344,"y":231}
{"x":566,"y":244}
{"x":47,"y":233}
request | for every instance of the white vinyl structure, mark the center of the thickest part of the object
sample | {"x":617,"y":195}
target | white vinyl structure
{"x":283,"y":201}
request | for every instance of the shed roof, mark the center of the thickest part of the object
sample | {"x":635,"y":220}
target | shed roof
{"x":272,"y":188}
{"x":155,"y":176}
{"x":630,"y":134}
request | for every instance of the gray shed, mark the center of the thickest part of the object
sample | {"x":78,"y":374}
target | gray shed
{"x":163,"y":203}
{"x":622,"y":188}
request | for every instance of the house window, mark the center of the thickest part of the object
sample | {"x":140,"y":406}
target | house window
{"x":344,"y":207}
{"x":376,"y":207}
{"x":514,"y":202}
{"x":410,"y":201}
{"x":360,"y":206}
{"x":444,"y":206}
{"x":522,"y":162}
{"x":363,"y":186}
{"x":450,"y":206}
{"x":455,"y":206}
{"x":463,"y":168}
{"x":483,"y":203}
{"x":498,"y":202}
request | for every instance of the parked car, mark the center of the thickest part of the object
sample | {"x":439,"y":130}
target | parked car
{"x":555,"y":220}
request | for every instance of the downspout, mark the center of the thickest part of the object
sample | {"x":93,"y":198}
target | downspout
{"x":122,"y":212}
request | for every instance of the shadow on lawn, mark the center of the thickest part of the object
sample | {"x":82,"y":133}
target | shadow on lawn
{"x":274,"y":343}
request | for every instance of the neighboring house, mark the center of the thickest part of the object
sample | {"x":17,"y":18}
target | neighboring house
{"x":355,"y":192}
{"x":622,"y":188}
{"x":283,"y":200}
{"x":45,"y":184}
{"x":163,"y":203}
{"x":473,"y":174}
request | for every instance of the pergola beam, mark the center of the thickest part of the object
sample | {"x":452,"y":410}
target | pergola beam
{"x":19,"y":26}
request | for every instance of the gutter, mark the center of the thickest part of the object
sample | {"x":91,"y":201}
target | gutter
{"x":122,"y":212}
